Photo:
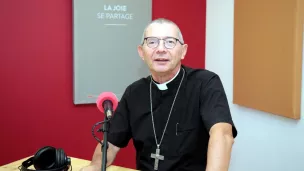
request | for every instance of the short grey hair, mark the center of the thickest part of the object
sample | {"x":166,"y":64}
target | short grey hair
{"x":162,"y":21}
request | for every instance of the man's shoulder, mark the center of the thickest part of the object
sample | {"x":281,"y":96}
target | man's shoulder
{"x":139,"y":84}
{"x":199,"y":74}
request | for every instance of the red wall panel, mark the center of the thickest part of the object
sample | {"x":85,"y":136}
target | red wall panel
{"x":36,"y":76}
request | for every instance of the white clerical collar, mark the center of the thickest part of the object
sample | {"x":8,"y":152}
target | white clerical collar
{"x":163,"y":86}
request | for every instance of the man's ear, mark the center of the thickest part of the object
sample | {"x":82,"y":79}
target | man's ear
{"x":184,"y":50}
{"x":140,"y":52}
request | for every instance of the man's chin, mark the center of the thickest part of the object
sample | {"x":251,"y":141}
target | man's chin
{"x":161,"y":69}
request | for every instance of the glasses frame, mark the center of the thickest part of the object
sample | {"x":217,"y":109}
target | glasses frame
{"x":159,"y":39}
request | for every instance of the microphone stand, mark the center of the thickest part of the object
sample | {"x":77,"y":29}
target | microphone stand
{"x":105,"y":129}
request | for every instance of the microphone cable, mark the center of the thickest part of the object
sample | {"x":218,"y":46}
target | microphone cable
{"x":99,"y":130}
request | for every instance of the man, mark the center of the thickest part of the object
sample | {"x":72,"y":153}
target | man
{"x":178,"y":117}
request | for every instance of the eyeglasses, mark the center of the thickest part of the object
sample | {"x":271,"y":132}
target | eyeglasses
{"x":169,"y":42}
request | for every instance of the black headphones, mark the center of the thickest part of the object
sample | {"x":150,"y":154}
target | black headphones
{"x":47,"y":159}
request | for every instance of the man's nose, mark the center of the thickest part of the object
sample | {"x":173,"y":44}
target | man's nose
{"x":161,"y":47}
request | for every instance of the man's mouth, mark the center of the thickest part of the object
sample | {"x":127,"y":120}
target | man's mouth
{"x":161,"y":60}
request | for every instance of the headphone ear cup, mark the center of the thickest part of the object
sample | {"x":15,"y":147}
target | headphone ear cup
{"x":45,"y":158}
{"x":60,"y":157}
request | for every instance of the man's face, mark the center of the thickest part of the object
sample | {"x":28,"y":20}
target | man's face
{"x":162,"y":56}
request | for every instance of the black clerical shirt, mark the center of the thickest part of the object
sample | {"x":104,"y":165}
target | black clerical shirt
{"x":200,"y":103}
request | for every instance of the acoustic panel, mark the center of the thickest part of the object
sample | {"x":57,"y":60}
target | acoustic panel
{"x":106,"y":34}
{"x":268,"y":45}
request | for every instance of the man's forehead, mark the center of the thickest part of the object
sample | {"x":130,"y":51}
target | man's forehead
{"x":162,"y":30}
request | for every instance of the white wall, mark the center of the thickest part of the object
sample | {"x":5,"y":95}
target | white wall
{"x":265,"y":142}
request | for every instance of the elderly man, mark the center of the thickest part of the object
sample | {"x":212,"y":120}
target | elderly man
{"x":178,"y":117}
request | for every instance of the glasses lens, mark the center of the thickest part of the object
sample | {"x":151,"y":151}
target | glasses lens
{"x":152,"y":42}
{"x":170,"y":43}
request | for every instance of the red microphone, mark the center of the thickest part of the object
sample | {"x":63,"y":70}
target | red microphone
{"x":107,"y":103}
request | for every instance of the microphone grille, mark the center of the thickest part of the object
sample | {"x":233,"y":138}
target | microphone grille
{"x":106,"y":96}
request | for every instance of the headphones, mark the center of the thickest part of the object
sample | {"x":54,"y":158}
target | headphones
{"x":47,"y":159}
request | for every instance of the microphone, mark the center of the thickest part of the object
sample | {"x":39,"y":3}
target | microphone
{"x":107,"y":103}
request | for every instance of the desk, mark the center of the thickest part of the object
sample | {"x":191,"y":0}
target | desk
{"x":77,"y":164}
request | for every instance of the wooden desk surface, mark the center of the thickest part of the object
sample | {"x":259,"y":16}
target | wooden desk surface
{"x":77,"y":164}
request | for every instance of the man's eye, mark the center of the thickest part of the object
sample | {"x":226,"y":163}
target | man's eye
{"x":152,"y":42}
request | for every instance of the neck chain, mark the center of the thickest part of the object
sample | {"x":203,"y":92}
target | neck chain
{"x":158,"y":144}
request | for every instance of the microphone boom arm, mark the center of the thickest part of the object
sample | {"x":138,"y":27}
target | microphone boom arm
{"x":104,"y":145}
